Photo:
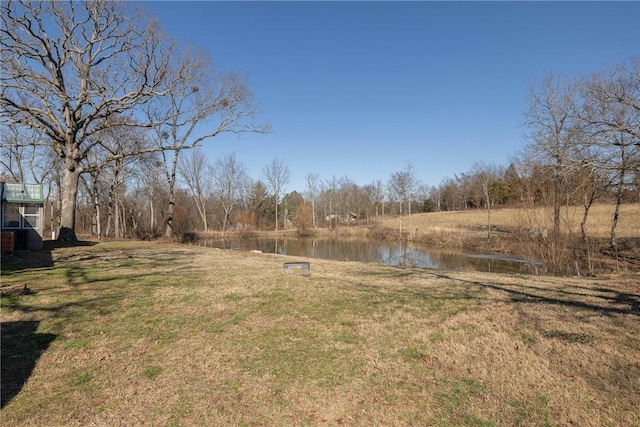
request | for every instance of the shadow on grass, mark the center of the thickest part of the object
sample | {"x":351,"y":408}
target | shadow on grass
{"x":607,"y":302}
{"x":602,"y":300}
{"x":21,"y":348}
{"x":43,"y":258}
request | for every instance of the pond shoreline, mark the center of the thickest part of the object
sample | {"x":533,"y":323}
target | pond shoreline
{"x":504,"y":243}
{"x":370,"y":250}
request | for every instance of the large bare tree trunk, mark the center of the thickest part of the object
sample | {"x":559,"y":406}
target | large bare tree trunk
{"x":68,"y":209}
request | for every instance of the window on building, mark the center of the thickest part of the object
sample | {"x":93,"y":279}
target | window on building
{"x":31,"y":216}
{"x":15,"y":216}
{"x":11,"y":216}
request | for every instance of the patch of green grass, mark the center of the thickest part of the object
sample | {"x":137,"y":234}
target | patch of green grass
{"x":295,"y":356}
{"x":413,"y":353}
{"x":76,"y":343}
{"x":537,"y":412}
{"x":181,"y":408}
{"x":152,"y":372}
{"x":11,"y":302}
{"x":436,"y":337}
{"x":218,"y":328}
{"x":237,"y":319}
{"x":141,"y":302}
{"x":456,"y":402}
{"x":155,"y":328}
{"x":347,"y":337}
{"x":221,"y":325}
{"x":81,"y":379}
{"x":84,"y":381}
{"x":188,"y":299}
{"x":233,"y":297}
{"x":165,"y":335}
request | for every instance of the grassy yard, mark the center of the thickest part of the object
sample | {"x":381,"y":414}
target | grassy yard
{"x":132,"y":333}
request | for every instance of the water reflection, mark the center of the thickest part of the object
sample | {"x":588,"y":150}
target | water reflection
{"x":364,"y":250}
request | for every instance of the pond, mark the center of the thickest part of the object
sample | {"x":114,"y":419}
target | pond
{"x":376,"y":251}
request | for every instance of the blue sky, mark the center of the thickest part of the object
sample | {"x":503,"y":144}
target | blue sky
{"x":359,"y":89}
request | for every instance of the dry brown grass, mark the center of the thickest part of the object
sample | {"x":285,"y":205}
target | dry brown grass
{"x":146,"y":334}
{"x":475,"y":221}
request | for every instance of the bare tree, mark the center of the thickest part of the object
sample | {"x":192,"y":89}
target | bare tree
{"x":258,"y":205}
{"x":401,"y":186}
{"x":67,"y":67}
{"x":313,"y":188}
{"x":378,"y":196}
{"x":23,"y":160}
{"x":193,"y":170}
{"x":485,"y":176}
{"x":105,"y":161}
{"x":150,"y":185}
{"x":329,"y":193}
{"x":199,"y":103}
{"x":276,"y":175}
{"x":229,"y":181}
{"x":553,"y":133}
{"x":611,"y":116}
{"x":350,"y":200}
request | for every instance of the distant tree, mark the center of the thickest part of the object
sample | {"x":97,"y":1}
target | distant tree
{"x":291,"y":202}
{"x":329,"y":196}
{"x":401,"y":185}
{"x":365,"y":202}
{"x":302,"y":219}
{"x":428,"y":206}
{"x":313,"y":189}
{"x":497,"y":192}
{"x":229,"y":181}
{"x":553,"y":133}
{"x":378,"y":196}
{"x":276,"y":175}
{"x":258,"y":202}
{"x":193,"y":170}
{"x":105,"y":163}
{"x":348,"y":194}
{"x":513,"y":184}
{"x":245,"y":220}
{"x":486,"y":176}
{"x":152,"y":195}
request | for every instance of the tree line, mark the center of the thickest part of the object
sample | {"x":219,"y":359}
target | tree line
{"x":98,"y":85}
{"x":99,"y":103}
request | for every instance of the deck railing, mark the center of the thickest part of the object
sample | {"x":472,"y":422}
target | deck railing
{"x":20,"y":192}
